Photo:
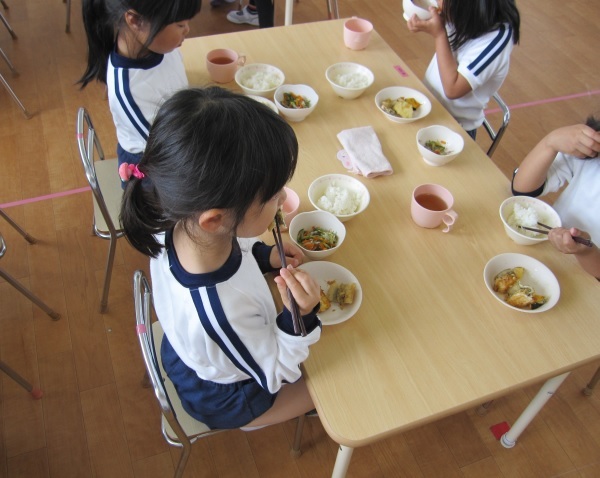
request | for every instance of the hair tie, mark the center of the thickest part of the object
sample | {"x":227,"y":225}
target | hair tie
{"x":127,"y":170}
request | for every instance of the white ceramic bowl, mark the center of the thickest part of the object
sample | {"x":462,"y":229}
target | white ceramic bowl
{"x":349,"y":80}
{"x":322,"y":219}
{"x":536,"y":275}
{"x":265,"y":101}
{"x":350,"y":188}
{"x":293,"y":114}
{"x":395,"y":92}
{"x":545,"y":213}
{"x":452,"y":141}
{"x":259,"y":79}
{"x":411,"y":9}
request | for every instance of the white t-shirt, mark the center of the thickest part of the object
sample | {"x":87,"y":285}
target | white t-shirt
{"x":484,"y":63}
{"x":136,"y":89}
{"x":579,"y":203}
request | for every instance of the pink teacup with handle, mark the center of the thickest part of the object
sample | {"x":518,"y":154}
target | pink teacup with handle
{"x":223,"y":63}
{"x":431,"y":205}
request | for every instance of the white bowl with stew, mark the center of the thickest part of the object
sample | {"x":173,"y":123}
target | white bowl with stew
{"x":439,"y":145}
{"x":295,"y":102}
{"x":324,"y":220}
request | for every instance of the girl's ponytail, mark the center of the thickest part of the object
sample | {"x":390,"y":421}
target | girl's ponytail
{"x":100,"y":33}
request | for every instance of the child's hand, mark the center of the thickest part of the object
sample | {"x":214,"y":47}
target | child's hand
{"x":562,"y":239}
{"x":434,"y":26}
{"x":304,"y":288}
{"x":293,"y":256}
{"x":577,"y":140}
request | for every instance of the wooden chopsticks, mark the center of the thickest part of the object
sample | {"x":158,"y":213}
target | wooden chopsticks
{"x":299,"y":327}
{"x":580,"y":240}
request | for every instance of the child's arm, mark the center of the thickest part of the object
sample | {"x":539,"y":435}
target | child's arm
{"x":455,"y":85}
{"x":588,"y":257}
{"x":577,"y":140}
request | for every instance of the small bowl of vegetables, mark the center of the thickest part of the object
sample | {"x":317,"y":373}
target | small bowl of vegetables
{"x":295,"y":102}
{"x":439,"y":145}
{"x":318,"y":233}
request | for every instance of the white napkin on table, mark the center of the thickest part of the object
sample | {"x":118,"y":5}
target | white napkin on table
{"x":363,"y":152}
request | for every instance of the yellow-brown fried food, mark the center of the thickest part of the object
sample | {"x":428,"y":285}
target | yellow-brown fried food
{"x":325,"y":302}
{"x":507,"y":278}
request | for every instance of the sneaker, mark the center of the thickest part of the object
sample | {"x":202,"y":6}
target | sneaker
{"x":243,"y":16}
{"x":313,"y":413}
{"x":218,"y":3}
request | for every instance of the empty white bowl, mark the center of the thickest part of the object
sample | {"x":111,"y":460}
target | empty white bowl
{"x":395,"y":92}
{"x":418,"y":8}
{"x":349,"y":80}
{"x":296,"y":114}
{"x":259,"y":79}
{"x":534,"y":209}
{"x":322,"y":219}
{"x":450,"y":140}
{"x":265,"y":101}
{"x":340,"y":194}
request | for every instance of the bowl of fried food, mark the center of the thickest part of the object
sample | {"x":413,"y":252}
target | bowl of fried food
{"x":296,"y":102}
{"x":318,"y":233}
{"x":439,"y":145}
{"x":402,"y":105}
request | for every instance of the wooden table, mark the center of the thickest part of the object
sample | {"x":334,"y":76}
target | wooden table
{"x":429,"y":340}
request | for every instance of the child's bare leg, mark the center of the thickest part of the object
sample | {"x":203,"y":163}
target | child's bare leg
{"x":292,"y":401}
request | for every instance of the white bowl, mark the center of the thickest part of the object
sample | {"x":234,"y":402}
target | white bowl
{"x":348,"y":186}
{"x":545,"y":214}
{"x":536,"y":275}
{"x":249,"y":78}
{"x":452,"y":141}
{"x":322,"y":219}
{"x":341,"y":74}
{"x":411,"y":9}
{"x":395,"y":92}
{"x":293,"y":114}
{"x":265,"y":101}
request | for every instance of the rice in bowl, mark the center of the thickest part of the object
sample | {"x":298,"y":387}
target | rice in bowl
{"x":340,"y":200}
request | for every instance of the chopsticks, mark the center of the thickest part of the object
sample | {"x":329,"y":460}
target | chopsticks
{"x":299,"y":327}
{"x":580,"y":240}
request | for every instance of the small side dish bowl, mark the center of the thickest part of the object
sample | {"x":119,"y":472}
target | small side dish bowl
{"x":265,"y":101}
{"x":342,"y":195}
{"x":419,"y":9}
{"x":396,"y":92}
{"x":536,"y":275}
{"x":450,"y":141}
{"x":322,"y":219}
{"x":259,"y":79}
{"x":290,"y":205}
{"x":296,"y":114}
{"x":349,"y":80}
{"x":518,"y":211}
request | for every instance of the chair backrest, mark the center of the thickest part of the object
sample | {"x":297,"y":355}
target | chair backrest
{"x":179,"y":428}
{"x":102,"y":176}
{"x":496,"y":136}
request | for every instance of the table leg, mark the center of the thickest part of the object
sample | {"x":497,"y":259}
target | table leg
{"x":289,"y":11}
{"x":342,"y":462}
{"x":509,"y":439}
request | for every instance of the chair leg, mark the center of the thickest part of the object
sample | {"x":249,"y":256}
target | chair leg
{"x":4,"y":4}
{"x":8,"y":27}
{"x":68,"y":22}
{"x":9,"y":63}
{"x":589,"y":389}
{"x":27,"y":293}
{"x":183,"y":459}
{"x":15,"y":97}
{"x":28,"y":238}
{"x":296,"y":451}
{"x":108,"y":273}
{"x":35,"y":392}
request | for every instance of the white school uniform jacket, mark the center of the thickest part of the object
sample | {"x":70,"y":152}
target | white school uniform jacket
{"x":484,"y":63}
{"x":224,"y":324}
{"x":136,"y":89}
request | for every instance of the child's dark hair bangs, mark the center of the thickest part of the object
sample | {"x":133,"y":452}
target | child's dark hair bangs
{"x":183,"y":10}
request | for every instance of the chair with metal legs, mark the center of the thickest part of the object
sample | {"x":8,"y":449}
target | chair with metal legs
{"x":15,"y":283}
{"x":589,"y":388}
{"x":104,"y":181}
{"x":496,"y":136}
{"x":332,"y":10}
{"x":178,"y":427}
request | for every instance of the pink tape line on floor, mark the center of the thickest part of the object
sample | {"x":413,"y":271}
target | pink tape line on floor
{"x":546,"y":101}
{"x":43,"y":198}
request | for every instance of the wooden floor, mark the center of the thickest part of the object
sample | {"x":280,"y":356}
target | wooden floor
{"x":95,"y":420}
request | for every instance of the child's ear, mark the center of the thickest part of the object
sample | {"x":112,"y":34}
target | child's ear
{"x":213,"y":220}
{"x":133,"y":20}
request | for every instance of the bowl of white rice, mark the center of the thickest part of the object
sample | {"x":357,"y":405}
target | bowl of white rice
{"x":527,"y":211}
{"x":259,"y":79}
{"x":342,"y":195}
{"x":349,"y":80}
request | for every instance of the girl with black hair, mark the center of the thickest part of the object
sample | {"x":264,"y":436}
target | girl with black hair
{"x":195,"y":204}
{"x":133,"y":49}
{"x":473,"y":42}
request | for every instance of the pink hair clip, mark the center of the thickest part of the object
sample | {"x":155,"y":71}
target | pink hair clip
{"x":127,"y":170}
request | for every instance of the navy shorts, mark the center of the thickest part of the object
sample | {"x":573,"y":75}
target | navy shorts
{"x":217,"y":405}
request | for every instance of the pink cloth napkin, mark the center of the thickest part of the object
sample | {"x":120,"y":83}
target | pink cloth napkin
{"x":362,"y":153}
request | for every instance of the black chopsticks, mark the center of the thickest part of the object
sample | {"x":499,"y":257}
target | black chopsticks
{"x":299,"y":327}
{"x":580,"y":240}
